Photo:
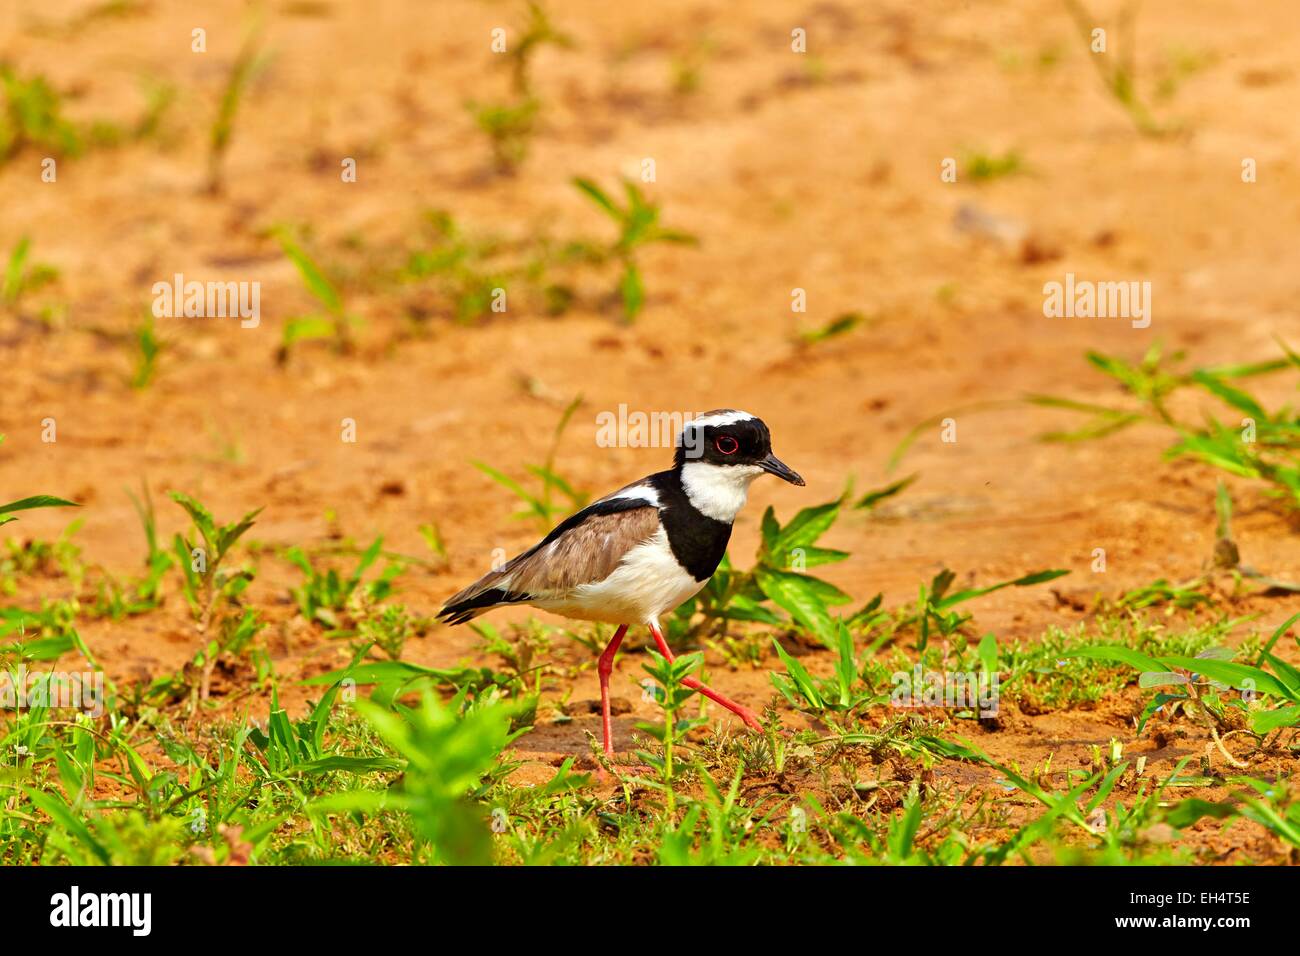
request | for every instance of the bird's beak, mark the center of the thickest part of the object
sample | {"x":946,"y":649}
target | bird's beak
{"x":775,"y":466}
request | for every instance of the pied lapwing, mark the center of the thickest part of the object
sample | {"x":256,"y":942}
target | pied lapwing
{"x":642,"y":551}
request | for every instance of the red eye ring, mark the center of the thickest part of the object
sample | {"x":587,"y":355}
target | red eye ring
{"x":726,"y":445}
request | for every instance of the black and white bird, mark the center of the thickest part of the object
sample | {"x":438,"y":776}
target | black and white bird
{"x":639,"y":553}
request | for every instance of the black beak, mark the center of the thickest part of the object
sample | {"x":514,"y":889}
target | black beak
{"x":775,"y":466}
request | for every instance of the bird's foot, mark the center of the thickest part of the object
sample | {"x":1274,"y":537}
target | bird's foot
{"x":750,"y":718}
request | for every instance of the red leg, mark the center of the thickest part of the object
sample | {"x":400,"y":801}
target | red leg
{"x":744,"y":713}
{"x":603,"y":668}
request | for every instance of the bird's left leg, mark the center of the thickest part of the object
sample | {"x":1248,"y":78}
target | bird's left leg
{"x":744,"y":713}
{"x":603,"y":667}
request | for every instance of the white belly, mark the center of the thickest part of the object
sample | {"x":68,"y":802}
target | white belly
{"x":648,"y":583}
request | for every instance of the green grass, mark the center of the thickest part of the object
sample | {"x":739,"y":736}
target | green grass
{"x":249,"y":63}
{"x":391,"y":761}
{"x":212,"y":589}
{"x":450,"y":270}
{"x":1117,"y":66}
{"x":980,"y":166}
{"x":537,"y":33}
{"x":465,"y":270}
{"x":1267,"y":698}
{"x":637,"y":221}
{"x":508,"y":128}
{"x":1255,"y":443}
{"x":840,"y":325}
{"x":9,"y":511}
{"x":688,"y":65}
{"x":333,"y":322}
{"x":32,"y":118}
{"x":510,"y":124}
{"x":429,"y":780}
{"x":331,"y":599}
{"x":22,"y":278}
{"x":148,"y":349}
{"x":556,"y":496}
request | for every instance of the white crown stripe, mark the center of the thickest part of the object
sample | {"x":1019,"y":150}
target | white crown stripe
{"x":726,"y":418}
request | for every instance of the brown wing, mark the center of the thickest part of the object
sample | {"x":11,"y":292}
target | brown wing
{"x":586,"y":551}
{"x":584,"y":554}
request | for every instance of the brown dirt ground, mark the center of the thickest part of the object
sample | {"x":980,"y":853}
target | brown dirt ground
{"x":830,"y":186}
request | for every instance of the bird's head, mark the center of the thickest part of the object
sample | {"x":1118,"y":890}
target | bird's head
{"x":728,"y":447}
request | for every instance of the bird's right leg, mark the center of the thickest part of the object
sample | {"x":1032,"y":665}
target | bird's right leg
{"x":750,"y":718}
{"x":604,"y":667}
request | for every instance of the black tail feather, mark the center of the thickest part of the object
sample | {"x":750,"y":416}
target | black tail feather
{"x":458,"y":612}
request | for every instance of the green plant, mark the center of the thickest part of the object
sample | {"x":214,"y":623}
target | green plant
{"x":432,"y":536}
{"x":248,"y":64}
{"x":542,"y":506}
{"x":1118,"y":73}
{"x":869,"y":501}
{"x":1264,"y":447}
{"x":1178,"y":64}
{"x":147,"y":358}
{"x":159,"y":98}
{"x":211,"y":591}
{"x":20,"y":279}
{"x":394,"y":679}
{"x":7,"y":511}
{"x":671,"y":695}
{"x":157,"y":559}
{"x":778,"y":575}
{"x":1184,"y":596}
{"x":35,"y":501}
{"x":335,"y":322}
{"x":445,"y":756}
{"x":538,"y":32}
{"x":508,"y":127}
{"x":840,"y":325}
{"x":295,"y":748}
{"x":389,"y":628}
{"x":1040,"y":674}
{"x":688,"y":65}
{"x":638,"y":226}
{"x":466,"y":269}
{"x":526,"y":654}
{"x":59,"y":557}
{"x":842,"y":692}
{"x":44,"y":635}
{"x":325,"y":596}
{"x":715,"y":830}
{"x":740,"y":650}
{"x":1272,"y":805}
{"x":934,"y":610}
{"x":32,"y":115}
{"x":1197,"y":686}
{"x":980,"y":166}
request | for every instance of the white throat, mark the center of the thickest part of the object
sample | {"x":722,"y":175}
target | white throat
{"x":718,"y":491}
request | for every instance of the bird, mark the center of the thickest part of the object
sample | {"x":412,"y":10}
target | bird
{"x":642,"y":551}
